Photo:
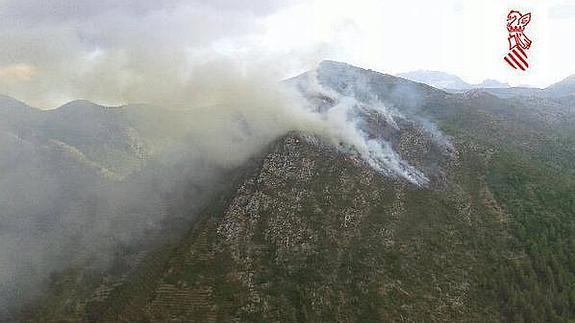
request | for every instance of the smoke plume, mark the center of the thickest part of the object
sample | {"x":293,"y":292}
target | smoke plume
{"x":206,"y":111}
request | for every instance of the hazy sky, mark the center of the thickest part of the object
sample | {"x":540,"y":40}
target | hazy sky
{"x":114,"y":51}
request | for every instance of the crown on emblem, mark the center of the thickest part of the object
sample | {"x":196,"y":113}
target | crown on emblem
{"x":515,"y":28}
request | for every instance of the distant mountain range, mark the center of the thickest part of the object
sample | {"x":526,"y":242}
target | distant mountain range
{"x":563,"y":90}
{"x":446,"y":81}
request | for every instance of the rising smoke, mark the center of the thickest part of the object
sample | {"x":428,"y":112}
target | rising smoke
{"x":48,"y":227}
{"x":223,"y":111}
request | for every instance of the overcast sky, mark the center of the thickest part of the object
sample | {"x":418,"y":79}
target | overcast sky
{"x":114,"y":51}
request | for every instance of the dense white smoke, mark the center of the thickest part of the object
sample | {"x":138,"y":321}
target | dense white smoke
{"x":231,"y":115}
{"x":379,"y":154}
{"x":344,"y":123}
{"x":215,"y":104}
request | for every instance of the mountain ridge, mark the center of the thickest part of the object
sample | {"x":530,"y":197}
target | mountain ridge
{"x":309,"y":230}
{"x":448,"y":81}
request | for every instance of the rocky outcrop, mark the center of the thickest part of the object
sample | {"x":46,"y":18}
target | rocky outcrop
{"x":312,"y":234}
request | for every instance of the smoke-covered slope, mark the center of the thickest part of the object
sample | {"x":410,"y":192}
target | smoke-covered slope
{"x":309,"y":234}
{"x":407,"y":203}
{"x":382,"y":114}
{"x":83,"y":180}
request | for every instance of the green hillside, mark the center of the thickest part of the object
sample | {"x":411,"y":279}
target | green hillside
{"x":308,"y":233}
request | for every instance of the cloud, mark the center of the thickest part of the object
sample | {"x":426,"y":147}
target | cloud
{"x":562,"y":11}
{"x":17,"y":72}
{"x":63,"y":11}
{"x":122,"y":49}
{"x":118,"y":51}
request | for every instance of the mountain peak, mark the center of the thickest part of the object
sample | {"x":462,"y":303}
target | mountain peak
{"x":337,"y":68}
{"x":569,"y":80}
{"x":565,"y":87}
{"x":329,"y":62}
{"x":490,"y":83}
{"x":7,"y":101}
{"x":85,"y":106}
{"x":79,"y":104}
{"x":436,"y":79}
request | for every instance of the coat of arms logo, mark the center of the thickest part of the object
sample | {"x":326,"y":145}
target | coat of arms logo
{"x":519,"y":43}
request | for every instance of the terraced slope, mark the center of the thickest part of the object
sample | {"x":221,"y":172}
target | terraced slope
{"x":307,"y":232}
{"x":311,"y":235}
